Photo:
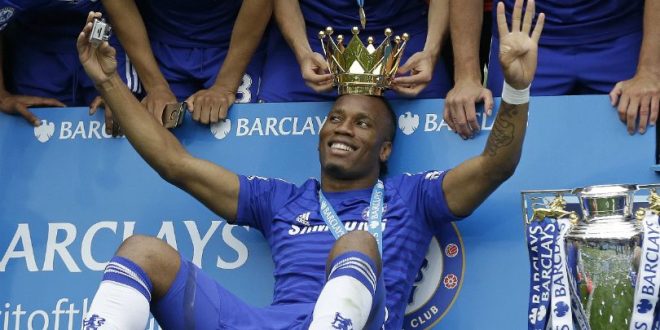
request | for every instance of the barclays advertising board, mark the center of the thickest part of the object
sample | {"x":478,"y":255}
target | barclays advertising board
{"x":69,"y":195}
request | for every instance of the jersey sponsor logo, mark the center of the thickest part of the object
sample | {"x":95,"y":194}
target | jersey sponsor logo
{"x":5,"y":15}
{"x":408,"y":123}
{"x":296,"y":230}
{"x":438,"y":281}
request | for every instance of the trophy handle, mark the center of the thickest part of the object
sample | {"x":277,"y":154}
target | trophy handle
{"x":554,"y":209}
{"x":653,"y":199}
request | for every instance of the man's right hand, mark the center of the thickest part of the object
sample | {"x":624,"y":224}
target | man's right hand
{"x":315,"y":71}
{"x":18,"y":105}
{"x":99,"y":62}
{"x":460,"y":111}
{"x":156,"y":100}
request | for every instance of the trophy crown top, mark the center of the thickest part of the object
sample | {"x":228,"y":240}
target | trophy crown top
{"x":360,"y":69}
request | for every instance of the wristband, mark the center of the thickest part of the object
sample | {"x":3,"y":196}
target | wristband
{"x":514,"y":96}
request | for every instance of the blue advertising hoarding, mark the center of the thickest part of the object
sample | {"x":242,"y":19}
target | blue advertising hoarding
{"x":70,"y":194}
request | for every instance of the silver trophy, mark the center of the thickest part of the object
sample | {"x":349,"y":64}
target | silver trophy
{"x":605,"y":237}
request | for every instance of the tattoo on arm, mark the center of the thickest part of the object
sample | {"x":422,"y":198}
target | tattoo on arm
{"x":503,"y":131}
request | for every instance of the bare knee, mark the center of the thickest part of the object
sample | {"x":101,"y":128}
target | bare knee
{"x":159,"y":260}
{"x":360,"y":241}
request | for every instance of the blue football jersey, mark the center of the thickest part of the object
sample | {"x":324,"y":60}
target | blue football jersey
{"x":343,"y":14}
{"x":47,"y":23}
{"x":574,"y":22}
{"x":289,"y":218}
{"x":185,"y":23}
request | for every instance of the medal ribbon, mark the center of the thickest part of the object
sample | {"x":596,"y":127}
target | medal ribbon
{"x":337,"y":228}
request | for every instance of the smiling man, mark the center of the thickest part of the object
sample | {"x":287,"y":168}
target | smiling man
{"x":355,"y":265}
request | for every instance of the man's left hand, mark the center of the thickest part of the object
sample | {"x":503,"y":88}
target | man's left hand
{"x":518,"y":49}
{"x":211,"y":105}
{"x":637,"y":98}
{"x":420,"y":66}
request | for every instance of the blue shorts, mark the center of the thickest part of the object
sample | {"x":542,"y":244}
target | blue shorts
{"x":196,"y":301}
{"x":57,"y":73}
{"x":283,"y":82}
{"x":592,"y":68}
{"x":188,"y":70}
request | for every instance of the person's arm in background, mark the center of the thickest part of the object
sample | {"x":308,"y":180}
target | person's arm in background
{"x":211,"y":105}
{"x":421,"y":64}
{"x":127,"y":23}
{"x":313,"y":66}
{"x":18,"y":104}
{"x":213,"y":185}
{"x":470,"y":183}
{"x":465,"y":27}
{"x":639,"y":97}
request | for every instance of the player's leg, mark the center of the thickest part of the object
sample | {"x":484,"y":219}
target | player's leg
{"x":352,"y":271}
{"x":142,"y":271}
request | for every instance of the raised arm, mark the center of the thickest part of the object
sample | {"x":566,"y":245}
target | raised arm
{"x":213,"y":185}
{"x":211,"y":105}
{"x":312,"y":65}
{"x":421,"y":64}
{"x":468,"y":185}
{"x":638,"y":99}
{"x":127,"y":23}
{"x":465,"y":27}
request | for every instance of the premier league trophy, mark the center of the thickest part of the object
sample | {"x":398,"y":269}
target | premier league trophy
{"x":595,"y":257}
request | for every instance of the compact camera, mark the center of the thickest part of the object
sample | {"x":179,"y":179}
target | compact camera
{"x":100,"y":32}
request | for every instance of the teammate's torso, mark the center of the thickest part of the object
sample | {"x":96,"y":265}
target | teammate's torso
{"x":300,"y":243}
{"x":186,"y":23}
{"x":49,"y":23}
{"x":583,"y":21}
{"x":343,"y":14}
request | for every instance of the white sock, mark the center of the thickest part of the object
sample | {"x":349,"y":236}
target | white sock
{"x":347,"y":297}
{"x":117,"y":306}
{"x":122,"y":300}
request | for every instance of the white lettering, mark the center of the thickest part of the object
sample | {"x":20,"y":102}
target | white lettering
{"x":167,"y":231}
{"x":21,"y":235}
{"x":80,"y":130}
{"x":270,"y":126}
{"x":242,"y":127}
{"x":237,"y":245}
{"x":52,"y":246}
{"x":199,"y":243}
{"x":65,"y":130}
{"x":93,"y":131}
{"x":256,"y":127}
{"x":86,"y":247}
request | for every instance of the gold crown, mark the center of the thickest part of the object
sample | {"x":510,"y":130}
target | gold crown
{"x":360,"y":69}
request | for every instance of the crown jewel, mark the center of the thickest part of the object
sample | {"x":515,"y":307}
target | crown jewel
{"x":360,"y":69}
